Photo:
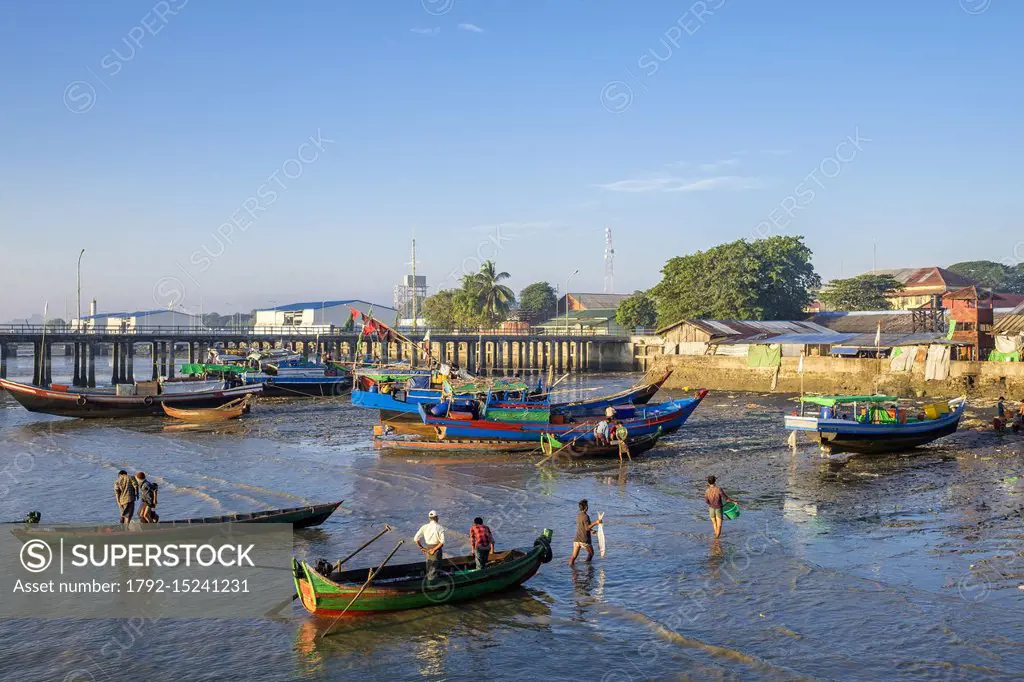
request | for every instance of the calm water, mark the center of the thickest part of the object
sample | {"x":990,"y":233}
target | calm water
{"x":894,"y":567}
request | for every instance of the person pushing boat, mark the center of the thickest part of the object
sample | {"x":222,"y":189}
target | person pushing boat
{"x":583,"y":527}
{"x":482,"y":540}
{"x":601,"y":432}
{"x":432,"y":533}
{"x":621,"y":436}
{"x":715,"y":498}
{"x":125,"y":492}
{"x":148,"y":495}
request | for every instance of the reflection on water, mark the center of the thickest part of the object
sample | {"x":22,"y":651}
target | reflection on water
{"x":894,"y":567}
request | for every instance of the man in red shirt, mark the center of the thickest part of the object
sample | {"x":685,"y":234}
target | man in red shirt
{"x":482,"y":541}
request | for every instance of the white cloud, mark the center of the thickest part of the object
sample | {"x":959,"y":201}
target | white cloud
{"x":472,"y":28}
{"x":429,"y":32}
{"x":718,"y":165}
{"x":677,"y":184}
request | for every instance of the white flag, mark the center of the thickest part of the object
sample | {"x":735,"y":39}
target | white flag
{"x":800,"y":367}
{"x":878,"y":335}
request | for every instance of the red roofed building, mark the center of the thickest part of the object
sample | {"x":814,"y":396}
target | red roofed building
{"x":971,"y":318}
{"x":923,"y":287}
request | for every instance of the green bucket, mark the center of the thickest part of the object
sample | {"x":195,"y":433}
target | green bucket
{"x":731,"y":510}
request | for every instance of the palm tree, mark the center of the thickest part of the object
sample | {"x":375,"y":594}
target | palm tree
{"x":493,"y":299}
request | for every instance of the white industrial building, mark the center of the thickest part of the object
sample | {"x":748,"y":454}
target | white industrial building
{"x":320,"y":316}
{"x":140,"y":319}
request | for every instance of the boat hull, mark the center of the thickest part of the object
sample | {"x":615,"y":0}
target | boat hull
{"x":842,"y":435}
{"x":106,"y":405}
{"x":408,"y":401}
{"x":662,"y":419}
{"x":297,"y":517}
{"x":404,"y":587}
{"x":591,"y":450}
{"x":302,"y":387}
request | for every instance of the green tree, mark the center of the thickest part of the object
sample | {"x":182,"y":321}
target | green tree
{"x":637,"y":311}
{"x":493,"y":299}
{"x":864,"y":292}
{"x":992,"y":275}
{"x":451,"y":309}
{"x":439,"y":310}
{"x":767,"y":279}
{"x":55,"y":323}
{"x":537,"y":302}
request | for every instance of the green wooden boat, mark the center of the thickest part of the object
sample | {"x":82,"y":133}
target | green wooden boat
{"x":404,"y":586}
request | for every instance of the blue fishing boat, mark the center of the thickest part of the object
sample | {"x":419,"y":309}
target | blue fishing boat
{"x":874,"y":423}
{"x":401,"y":398}
{"x":301,"y":382}
{"x":528,"y":425}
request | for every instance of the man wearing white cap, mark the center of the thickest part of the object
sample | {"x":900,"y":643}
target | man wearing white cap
{"x":431,"y":533}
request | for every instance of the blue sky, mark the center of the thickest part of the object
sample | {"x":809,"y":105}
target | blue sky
{"x":518,"y":130}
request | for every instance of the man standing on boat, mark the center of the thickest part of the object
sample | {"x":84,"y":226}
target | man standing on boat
{"x":431,"y":533}
{"x":715,"y":498}
{"x":482,"y":541}
{"x":583,"y":528}
{"x":609,"y":413}
{"x":125,"y":493}
{"x":148,"y":494}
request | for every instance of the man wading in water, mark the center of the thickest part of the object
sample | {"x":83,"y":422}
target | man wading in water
{"x":583,"y":528}
{"x":147,"y":491}
{"x":715,"y":497}
{"x":125,"y":493}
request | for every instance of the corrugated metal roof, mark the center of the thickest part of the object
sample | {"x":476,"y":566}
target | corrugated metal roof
{"x":751,"y":328}
{"x":803,"y":339}
{"x":893,"y":340}
{"x":317,"y":305}
{"x":1012,"y":323}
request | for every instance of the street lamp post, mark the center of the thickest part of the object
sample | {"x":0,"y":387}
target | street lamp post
{"x":80,"y":254}
{"x":574,"y":273}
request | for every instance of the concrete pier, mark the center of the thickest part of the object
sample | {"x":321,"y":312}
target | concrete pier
{"x":479,"y":353}
{"x":91,"y":353}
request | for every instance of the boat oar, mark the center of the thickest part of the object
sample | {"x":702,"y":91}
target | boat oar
{"x":378,"y":536}
{"x":369,"y":579}
{"x":560,"y":380}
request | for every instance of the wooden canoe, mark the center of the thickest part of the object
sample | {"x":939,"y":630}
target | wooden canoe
{"x":588,"y":449}
{"x":298,"y":517}
{"x":453,"y":445}
{"x":404,"y":586}
{"x":232,"y":410}
{"x":91,"y":403}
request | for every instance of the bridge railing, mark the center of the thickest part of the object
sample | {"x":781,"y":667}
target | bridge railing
{"x":184,"y":332}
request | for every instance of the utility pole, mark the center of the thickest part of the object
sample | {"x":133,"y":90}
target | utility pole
{"x":415,"y":299}
{"x":81,"y":253}
{"x":574,"y":272}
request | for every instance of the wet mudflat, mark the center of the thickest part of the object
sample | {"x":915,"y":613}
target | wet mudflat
{"x":898,"y":567}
